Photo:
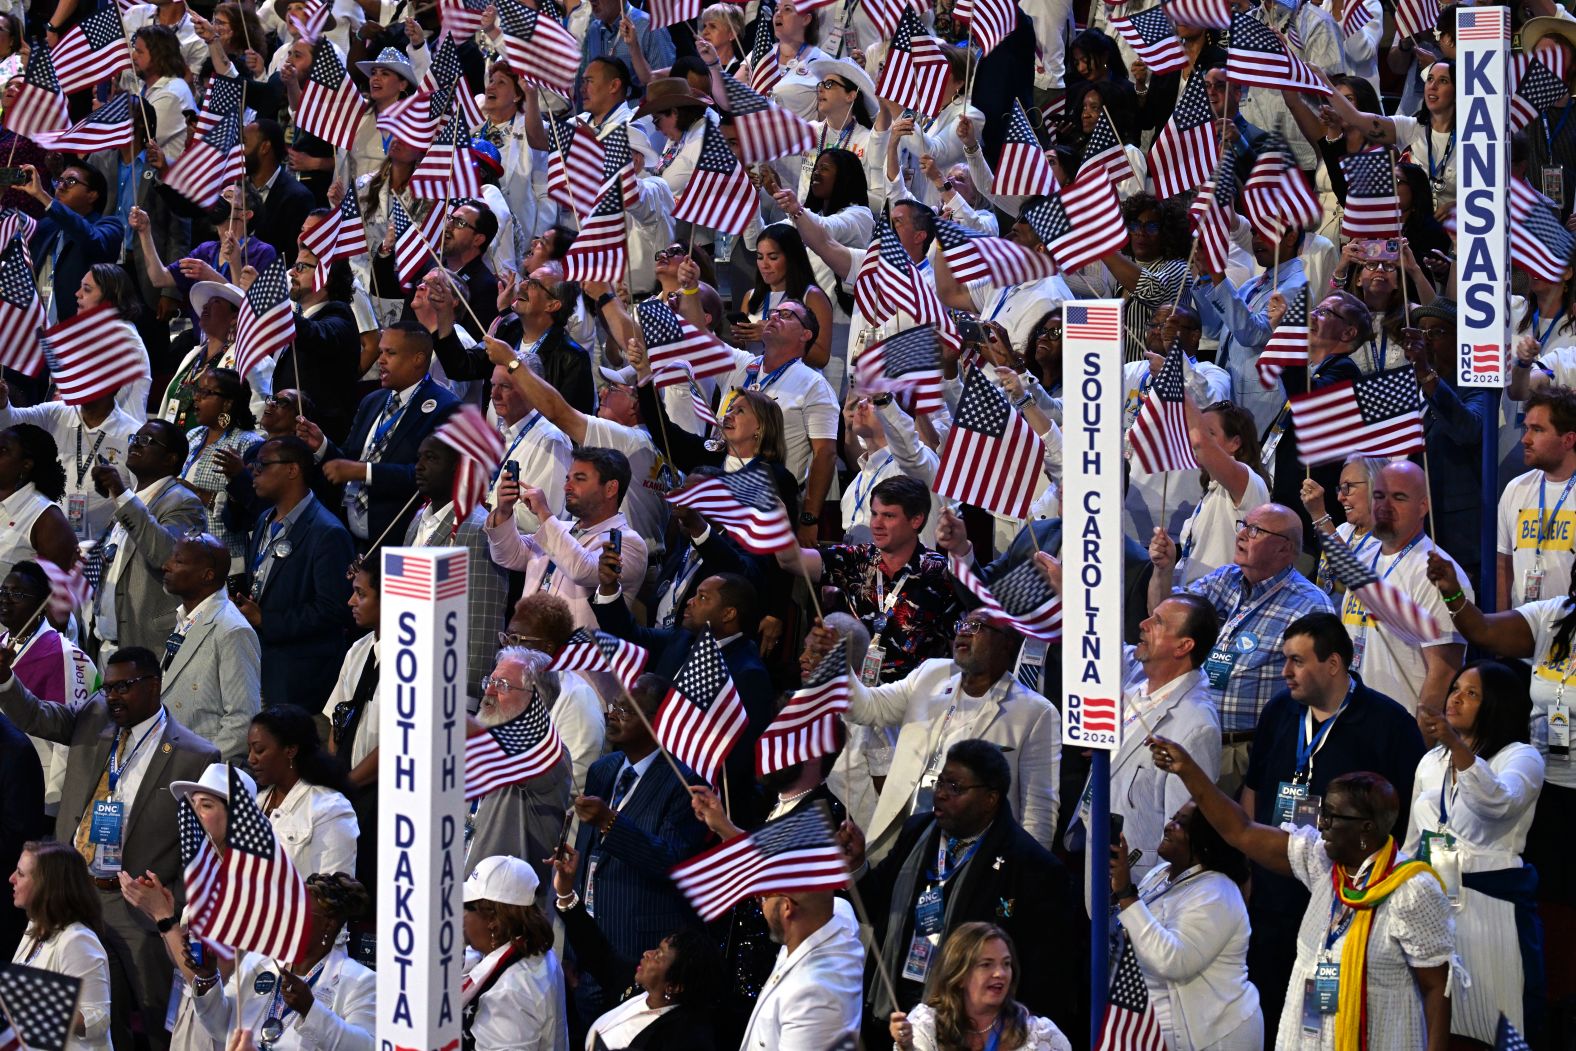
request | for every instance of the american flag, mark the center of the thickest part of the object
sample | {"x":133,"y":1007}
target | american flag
{"x":675,"y":372}
{"x":1211,"y":213}
{"x":746,"y":502}
{"x":21,"y":314}
{"x":989,"y":22}
{"x":9,"y":1041}
{"x":92,"y":354}
{"x":467,"y":432}
{"x":43,"y":1004}
{"x":1276,"y":196}
{"x":263,"y":905}
{"x":807,"y":726}
{"x":212,"y":160}
{"x":888,"y":282}
{"x":718,"y":195}
{"x":1159,"y":435}
{"x":14,"y":223}
{"x":617,"y":161}
{"x":793,"y":855}
{"x":586,"y":650}
{"x":1081,"y":223}
{"x":40,"y":105}
{"x":1372,"y":208}
{"x":907,"y":361}
{"x":1205,"y":14}
{"x":1536,"y":92}
{"x":1257,"y":57}
{"x":1183,"y":153}
{"x":992,"y":456}
{"x":267,"y":322}
{"x":313,"y":22}
{"x":446,"y":172}
{"x":971,"y":255}
{"x":1506,"y":1038}
{"x":1130,"y":1023}
{"x":106,"y":128}
{"x":575,"y":164}
{"x":915,"y":74}
{"x":1416,"y":17}
{"x":343,"y":235}
{"x":1288,"y":345}
{"x":462,"y":18}
{"x":702,"y":717}
{"x":672,"y":12}
{"x":202,"y":872}
{"x":1539,"y":243}
{"x":601,"y":252}
{"x":1153,"y":38}
{"x":1103,"y":150}
{"x":1384,"y":601}
{"x":671,"y":339}
{"x":1356,"y":15}
{"x":67,"y":590}
{"x":415,"y":245}
{"x":1378,"y":415}
{"x":1023,"y":170}
{"x":94,"y":49}
{"x":1092,"y":323}
{"x":427,"y":578}
{"x":330,"y":106}
{"x":220,"y":100}
{"x":1547,"y":51}
{"x":1022,"y":600}
{"x":526,"y":746}
{"x":766,"y":130}
{"x":764,"y":69}
{"x":415,"y":119}
{"x":539,"y":49}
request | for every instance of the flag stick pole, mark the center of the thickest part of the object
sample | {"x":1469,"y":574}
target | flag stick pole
{"x":387,"y":529}
{"x":969,"y":66}
{"x":652,"y":730}
{"x":453,"y":285}
{"x":558,"y":143}
{"x":863,"y":913}
{"x":6,"y":1011}
{"x":1125,"y":157}
{"x":1275,"y":271}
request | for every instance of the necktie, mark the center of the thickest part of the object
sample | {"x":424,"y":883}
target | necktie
{"x":84,"y":846}
{"x":626,"y":781}
{"x":348,"y":713}
{"x":1031,"y":662}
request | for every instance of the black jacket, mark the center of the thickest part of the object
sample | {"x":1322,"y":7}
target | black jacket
{"x":327,"y":353}
{"x":284,"y":212}
{"x":565,"y":363}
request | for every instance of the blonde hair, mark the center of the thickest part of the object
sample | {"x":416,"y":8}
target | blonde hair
{"x":958,"y":955}
{"x":732,"y":17}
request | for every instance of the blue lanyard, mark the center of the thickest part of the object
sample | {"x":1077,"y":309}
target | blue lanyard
{"x":754,"y":370}
{"x":1444,"y":814}
{"x":276,"y":1006}
{"x":1545,"y":523}
{"x":196,"y":454}
{"x":942,"y":877}
{"x":1333,"y":931}
{"x":860,"y":483}
{"x":1435,"y":172}
{"x":1001,"y":301}
{"x":267,"y":545}
{"x":1377,"y":359}
{"x":1306,"y":748}
{"x":1549,"y":134}
{"x":382,"y":429}
{"x":1548,"y":332}
{"x":514,"y":445}
{"x":116,"y":768}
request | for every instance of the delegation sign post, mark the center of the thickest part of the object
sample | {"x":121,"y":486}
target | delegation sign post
{"x":421,"y":811}
{"x":1092,"y":576}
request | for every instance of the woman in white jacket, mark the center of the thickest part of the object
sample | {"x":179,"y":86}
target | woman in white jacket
{"x":64,"y":919}
{"x":1188,"y":927}
{"x":301,"y":790}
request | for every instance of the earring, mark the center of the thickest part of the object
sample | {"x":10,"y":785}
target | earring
{"x":224,"y":421}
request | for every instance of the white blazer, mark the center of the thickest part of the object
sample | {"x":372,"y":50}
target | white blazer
{"x":813,"y":994}
{"x":1026,"y":726}
{"x":77,"y":952}
{"x":1193,"y":939}
{"x":343,"y":1019}
{"x":317,"y":827}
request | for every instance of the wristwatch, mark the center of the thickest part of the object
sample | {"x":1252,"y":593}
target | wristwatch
{"x":807,"y":519}
{"x":881,"y":400}
{"x":1129,"y":891}
{"x":167,"y":924}
{"x":512,"y":366}
{"x":603,"y":300}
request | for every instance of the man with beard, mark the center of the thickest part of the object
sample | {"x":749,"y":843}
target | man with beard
{"x":285,"y":201}
{"x":1537,"y":517}
{"x":469,"y":230}
{"x":1412,"y":674}
{"x":523,"y":819}
{"x":965,"y":859}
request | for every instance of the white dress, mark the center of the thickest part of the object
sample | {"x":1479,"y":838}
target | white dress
{"x":1043,"y":1034}
{"x":1488,"y":810}
{"x":76,"y":951}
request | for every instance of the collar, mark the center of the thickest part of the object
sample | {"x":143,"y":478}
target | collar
{"x":150,"y":493}
{"x":296,"y":512}
{"x":725,"y":640}
{"x":209,"y":604}
{"x":512,"y":431}
{"x":587,"y":529}
{"x":1179,"y":685}
{"x":140,"y":729}
{"x":1263,"y":586}
{"x":19,"y":499}
{"x":642,"y":766}
{"x":408,"y":393}
{"x":866,"y":459}
{"x":432,"y":514}
{"x":269,"y":185}
{"x":488,"y":962}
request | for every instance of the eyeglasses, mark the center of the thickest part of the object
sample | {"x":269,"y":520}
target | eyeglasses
{"x":259,"y":465}
{"x":1328,"y":818}
{"x":950,"y":787}
{"x":1152,"y":227}
{"x":455,"y":220}
{"x":207,"y":392}
{"x":531,"y":642}
{"x":1050,"y":335}
{"x":787,"y":314}
{"x":69,"y":180}
{"x":529,"y":283}
{"x":123,"y":687}
{"x":1380,"y":267}
{"x":282,"y":403}
{"x":1256,"y":531}
{"x":1439,"y":332}
{"x":968,"y":626}
{"x":499,"y":683}
{"x":671,"y":253}
{"x":1318,"y":312}
{"x":138,"y":441}
{"x":301,"y":268}
{"x":623,"y":710}
{"x":832,"y":82}
{"x":6,"y":593}
{"x":1345,"y":488}
{"x":617,"y":388}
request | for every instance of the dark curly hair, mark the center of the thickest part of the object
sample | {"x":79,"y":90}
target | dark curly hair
{"x":38,"y":445}
{"x":342,"y":896}
{"x":1176,"y":238}
{"x":236,"y":391}
{"x":695,"y":972}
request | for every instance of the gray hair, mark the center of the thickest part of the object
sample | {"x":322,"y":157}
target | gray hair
{"x":856,"y":637}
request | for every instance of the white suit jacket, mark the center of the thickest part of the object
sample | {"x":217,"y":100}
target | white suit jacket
{"x":814,"y":993}
{"x":1026,"y":726}
{"x":347,"y":989}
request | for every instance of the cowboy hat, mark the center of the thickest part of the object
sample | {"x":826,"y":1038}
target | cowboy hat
{"x":667,"y":93}
{"x":394,"y":59}
{"x":215,"y":780}
{"x":852,"y":72}
{"x":203,"y":291}
{"x":1535,"y":29}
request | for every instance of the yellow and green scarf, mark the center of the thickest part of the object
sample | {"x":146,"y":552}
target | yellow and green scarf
{"x":1351,"y":1026}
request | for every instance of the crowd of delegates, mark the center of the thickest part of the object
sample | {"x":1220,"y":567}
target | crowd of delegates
{"x":1335,"y":835}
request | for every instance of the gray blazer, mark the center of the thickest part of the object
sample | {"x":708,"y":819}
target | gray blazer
{"x":214,"y":683}
{"x":152,"y":837}
{"x":487,"y":601}
{"x":144,"y":611}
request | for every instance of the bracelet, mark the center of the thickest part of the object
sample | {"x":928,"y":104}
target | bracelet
{"x":566,"y":902}
{"x":1317,"y":522}
{"x":714,"y":65}
{"x":167,"y":924}
{"x":603,"y":300}
{"x":201,"y":985}
{"x":612,"y":819}
{"x":690,"y":291}
{"x":971,"y":152}
{"x":1028,"y":396}
{"x":1518,"y":363}
{"x":1460,"y":593}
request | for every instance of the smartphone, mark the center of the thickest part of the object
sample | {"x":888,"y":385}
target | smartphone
{"x":12,"y":177}
{"x":1116,"y":830}
{"x":738,"y":317}
{"x":615,"y":540}
{"x":970,"y":329}
{"x":194,"y":946}
{"x":1388,"y":249}
{"x":511,"y":470}
{"x":563,"y":833}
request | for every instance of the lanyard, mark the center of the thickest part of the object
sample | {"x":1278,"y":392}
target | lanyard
{"x":267,"y":546}
{"x":885,"y":602}
{"x":843,"y":135}
{"x":1376,"y":354}
{"x":796,"y":55}
{"x":1548,"y":332}
{"x":1333,"y":931}
{"x":1545,"y":524}
{"x":381,"y":432}
{"x":1001,"y":300}
{"x":1309,"y":743}
{"x":860,"y":483}
{"x":276,"y":1006}
{"x":1396,"y":561}
{"x":202,"y":447}
{"x":1436,"y":172}
{"x":1449,"y":782}
{"x":498,"y":472}
{"x":116,"y":768}
{"x":942,"y":872}
{"x":1242,"y":613}
{"x":754,"y":371}
{"x":1171,"y":885}
{"x":1550,"y":134}
{"x":82,"y":465}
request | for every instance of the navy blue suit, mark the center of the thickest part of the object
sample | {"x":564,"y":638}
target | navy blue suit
{"x":1453,"y":433}
{"x":21,"y":819}
{"x":305,"y":617}
{"x":636,"y":903}
{"x":669,"y":648}
{"x":84,"y":240}
{"x":394,"y":475}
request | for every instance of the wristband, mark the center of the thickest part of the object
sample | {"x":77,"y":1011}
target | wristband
{"x":1518,"y":363}
{"x":690,"y":291}
{"x":1129,"y":891}
{"x":566,"y":902}
{"x":603,"y":300}
{"x":1317,"y":522}
{"x":1460,"y":593}
{"x":167,"y":924}
{"x":1028,"y":396}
